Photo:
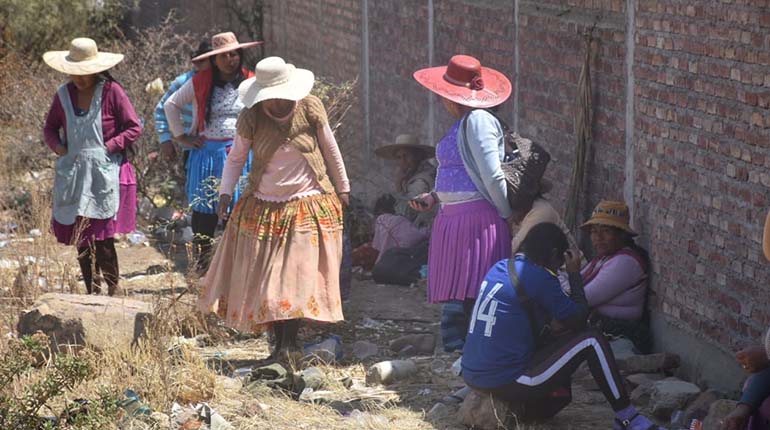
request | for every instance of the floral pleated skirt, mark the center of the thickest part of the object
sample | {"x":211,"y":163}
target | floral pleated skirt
{"x":277,"y":261}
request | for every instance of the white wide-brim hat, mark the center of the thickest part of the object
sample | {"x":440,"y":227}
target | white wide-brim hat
{"x":83,"y":58}
{"x":275,"y":79}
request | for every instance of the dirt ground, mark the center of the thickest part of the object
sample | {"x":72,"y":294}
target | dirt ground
{"x":374,"y":313}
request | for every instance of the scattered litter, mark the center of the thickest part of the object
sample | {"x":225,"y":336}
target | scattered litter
{"x":3,"y":243}
{"x":35,"y":232}
{"x":14,"y":264}
{"x":187,"y":234}
{"x":200,"y":415}
{"x":424,"y":392}
{"x":10,"y":227}
{"x":328,"y":350}
{"x":370,"y":323}
{"x":388,"y":372}
{"x":457,"y":366}
{"x":367,"y":419}
{"x":136,"y":237}
{"x":133,"y":405}
{"x":242,"y":372}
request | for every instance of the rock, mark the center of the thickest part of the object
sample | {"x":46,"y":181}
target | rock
{"x":717,"y":411}
{"x":651,"y":363}
{"x":328,"y":351}
{"x":640,"y":396}
{"x":228,"y":384}
{"x":622,"y":348}
{"x":422,"y":344}
{"x":484,"y":412}
{"x":638,"y":379}
{"x":314,"y":378}
{"x":699,"y":408}
{"x":438,"y":411}
{"x":669,"y":395}
{"x":73,"y":319}
{"x":388,"y":372}
{"x":363,"y":349}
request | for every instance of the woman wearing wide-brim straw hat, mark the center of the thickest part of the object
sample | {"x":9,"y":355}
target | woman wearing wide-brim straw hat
{"x":470,"y":233}
{"x":213,"y":94}
{"x":94,"y":195}
{"x":279,"y":259}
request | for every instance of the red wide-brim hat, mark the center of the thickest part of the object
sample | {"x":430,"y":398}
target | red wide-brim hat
{"x":466,"y":82}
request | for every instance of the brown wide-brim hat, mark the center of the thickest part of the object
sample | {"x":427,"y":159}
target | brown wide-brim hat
{"x":404,"y":141}
{"x":612,"y":214}
{"x":82,"y":59}
{"x":466,"y":82}
{"x":225,"y":42}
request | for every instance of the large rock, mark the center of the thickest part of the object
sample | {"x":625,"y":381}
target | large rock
{"x":100,"y":321}
{"x":482,"y":411}
{"x":699,"y":408}
{"x":717,"y":411}
{"x":363,"y":349}
{"x":622,"y":348}
{"x":650,"y":363}
{"x":647,"y":379}
{"x":414,"y":344}
{"x":671,"y":394}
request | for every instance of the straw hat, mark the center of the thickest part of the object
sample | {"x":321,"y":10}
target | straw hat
{"x":225,"y":42}
{"x":611,"y":213}
{"x":83,"y":58}
{"x":276,"y":79}
{"x":408,"y":141}
{"x":466,"y":82}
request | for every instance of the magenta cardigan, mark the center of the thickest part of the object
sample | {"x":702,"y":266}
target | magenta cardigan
{"x":120,"y":125}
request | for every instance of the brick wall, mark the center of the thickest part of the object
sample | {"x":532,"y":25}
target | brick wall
{"x":702,"y":151}
{"x":697,"y":157}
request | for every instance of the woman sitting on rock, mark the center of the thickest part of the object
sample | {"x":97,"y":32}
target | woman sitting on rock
{"x":616,"y":279}
{"x":404,"y":226}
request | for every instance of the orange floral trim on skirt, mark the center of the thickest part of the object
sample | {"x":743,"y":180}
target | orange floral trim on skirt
{"x":277,"y":261}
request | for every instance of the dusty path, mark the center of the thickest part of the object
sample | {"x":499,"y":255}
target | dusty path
{"x":374,"y":313}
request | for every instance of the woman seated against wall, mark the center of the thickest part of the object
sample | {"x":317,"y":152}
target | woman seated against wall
{"x":400,"y":243}
{"x":616,"y":278}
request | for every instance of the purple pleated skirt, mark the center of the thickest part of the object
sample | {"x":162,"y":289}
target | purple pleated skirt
{"x":466,"y":241}
{"x":89,"y":229}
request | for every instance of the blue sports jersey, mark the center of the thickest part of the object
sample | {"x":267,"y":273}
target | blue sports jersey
{"x":499,"y":344}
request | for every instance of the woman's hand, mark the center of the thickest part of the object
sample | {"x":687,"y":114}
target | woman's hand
{"x":752,"y":359}
{"x":60,"y":149}
{"x":187,"y":141}
{"x":737,"y":419}
{"x":344,"y":199}
{"x":223,"y":205}
{"x":572,"y":260}
{"x":423,"y":202}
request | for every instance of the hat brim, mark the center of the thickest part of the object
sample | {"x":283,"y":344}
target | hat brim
{"x":388,"y":152}
{"x":297,"y":87}
{"x":497,"y":87}
{"x":609,"y":223}
{"x":58,"y":60}
{"x":226,"y":49}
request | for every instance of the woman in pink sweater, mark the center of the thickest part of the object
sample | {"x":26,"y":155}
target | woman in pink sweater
{"x":615,"y":280}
